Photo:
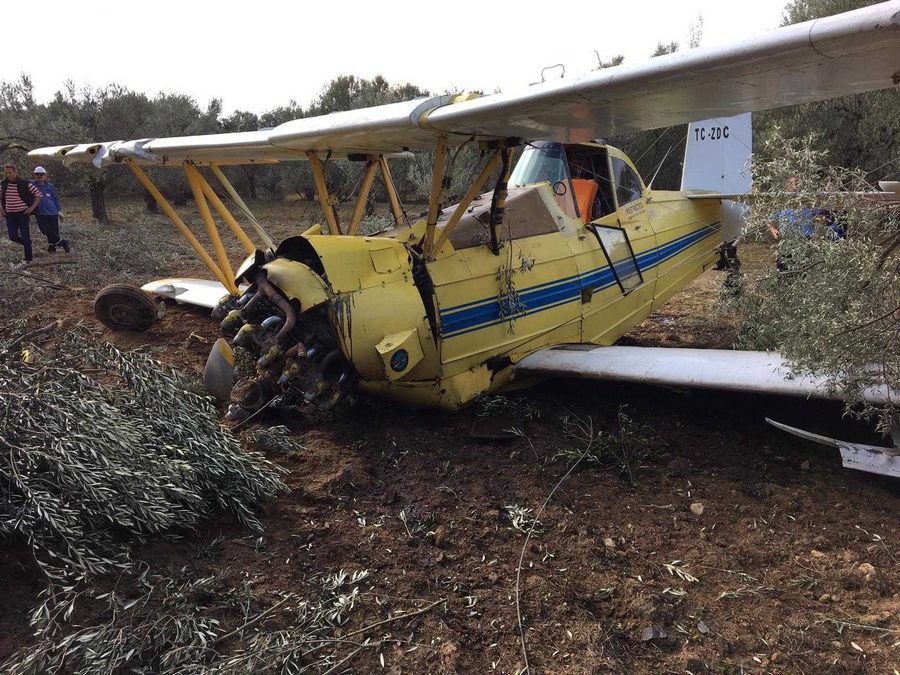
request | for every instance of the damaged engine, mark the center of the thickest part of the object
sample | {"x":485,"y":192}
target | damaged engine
{"x":295,"y":351}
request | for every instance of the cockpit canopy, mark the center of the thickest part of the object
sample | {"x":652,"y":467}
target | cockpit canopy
{"x":541,"y":161}
{"x":589,"y":181}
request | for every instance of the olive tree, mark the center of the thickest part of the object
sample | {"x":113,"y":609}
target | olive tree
{"x":832,"y":304}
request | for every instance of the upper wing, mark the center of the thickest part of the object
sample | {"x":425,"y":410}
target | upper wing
{"x":755,"y":372}
{"x":843,"y":54}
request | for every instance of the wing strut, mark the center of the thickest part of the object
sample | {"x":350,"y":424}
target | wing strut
{"x":236,"y":198}
{"x":144,"y":179}
{"x":326,"y":199}
{"x":498,"y":199}
{"x":194,"y":179}
{"x":435,"y":197}
{"x":396,"y":209}
{"x":364,"y":189}
{"x":225,"y":214}
{"x":473,"y":191}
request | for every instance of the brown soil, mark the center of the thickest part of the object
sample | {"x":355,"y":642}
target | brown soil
{"x":780,"y":554}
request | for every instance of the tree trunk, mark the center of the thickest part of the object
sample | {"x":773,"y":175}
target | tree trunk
{"x":150,"y":201}
{"x":252,"y":180}
{"x":98,"y":201}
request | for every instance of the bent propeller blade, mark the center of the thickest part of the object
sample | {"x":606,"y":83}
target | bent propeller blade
{"x":218,"y":375}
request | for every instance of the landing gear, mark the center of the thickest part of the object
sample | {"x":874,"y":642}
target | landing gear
{"x":125,"y":307}
{"x":728,"y":258}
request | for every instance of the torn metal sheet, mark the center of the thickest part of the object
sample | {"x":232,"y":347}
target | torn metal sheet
{"x":868,"y":458}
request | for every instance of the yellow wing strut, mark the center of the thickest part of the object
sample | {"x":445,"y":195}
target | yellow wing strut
{"x":318,"y":172}
{"x":194,"y":179}
{"x":236,"y":198}
{"x":364,"y":189}
{"x":434,"y":199}
{"x":179,"y":223}
{"x":223,"y":212}
{"x":473,"y":191}
{"x":396,"y":209}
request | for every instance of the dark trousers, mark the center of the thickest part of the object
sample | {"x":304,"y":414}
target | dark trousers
{"x":49,"y":227}
{"x":18,"y":231}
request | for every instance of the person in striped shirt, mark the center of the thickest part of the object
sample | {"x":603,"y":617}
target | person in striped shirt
{"x":18,"y":200}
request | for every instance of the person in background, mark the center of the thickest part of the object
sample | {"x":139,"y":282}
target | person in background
{"x":790,"y":223}
{"x":834,"y":223}
{"x":18,"y":200}
{"x":48,"y":211}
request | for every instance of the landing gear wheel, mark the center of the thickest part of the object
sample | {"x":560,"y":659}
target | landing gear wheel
{"x":125,"y":307}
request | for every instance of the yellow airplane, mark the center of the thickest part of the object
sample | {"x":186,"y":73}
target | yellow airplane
{"x":565,"y":254}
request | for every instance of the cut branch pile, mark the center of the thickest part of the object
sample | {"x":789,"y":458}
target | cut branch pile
{"x":183,"y":626}
{"x":100,"y":448}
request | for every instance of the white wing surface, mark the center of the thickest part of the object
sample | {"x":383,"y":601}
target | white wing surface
{"x":843,"y":54}
{"x":753,"y":372}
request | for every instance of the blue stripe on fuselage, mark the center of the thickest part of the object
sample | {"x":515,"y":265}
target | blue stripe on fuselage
{"x":478,"y":314}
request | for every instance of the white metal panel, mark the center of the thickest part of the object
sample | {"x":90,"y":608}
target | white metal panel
{"x":716,"y":160}
{"x":843,"y":54}
{"x":86,"y":153}
{"x":385,"y":128}
{"x":745,"y":371}
{"x":859,"y":456}
{"x":197,"y":292}
{"x":716,"y":154}
{"x":243,"y":145}
{"x":52,"y":152}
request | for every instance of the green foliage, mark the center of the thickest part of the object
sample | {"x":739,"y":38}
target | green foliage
{"x":183,"y":625}
{"x":348,"y":92}
{"x":625,"y":448}
{"x":857,"y":131}
{"x":663,"y":48}
{"x":834,"y":308}
{"x":797,"y":11}
{"x":617,"y":60}
{"x":102,"y":446}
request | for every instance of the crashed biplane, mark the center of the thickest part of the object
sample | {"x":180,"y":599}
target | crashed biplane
{"x":536,"y":274}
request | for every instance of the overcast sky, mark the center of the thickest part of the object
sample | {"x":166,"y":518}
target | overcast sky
{"x":257,"y":55}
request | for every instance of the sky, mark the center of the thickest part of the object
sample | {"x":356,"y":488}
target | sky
{"x":259,"y":55}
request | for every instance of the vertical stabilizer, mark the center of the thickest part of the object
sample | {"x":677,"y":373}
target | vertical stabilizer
{"x":715,"y":160}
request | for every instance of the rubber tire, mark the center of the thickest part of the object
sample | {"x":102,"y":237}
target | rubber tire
{"x":125,"y":307}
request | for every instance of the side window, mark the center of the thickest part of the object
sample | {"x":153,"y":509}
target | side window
{"x":619,"y":254}
{"x":628,"y":185}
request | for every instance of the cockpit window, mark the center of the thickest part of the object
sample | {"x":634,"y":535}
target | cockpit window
{"x":628,"y":185}
{"x":545,"y":161}
{"x":540,"y":162}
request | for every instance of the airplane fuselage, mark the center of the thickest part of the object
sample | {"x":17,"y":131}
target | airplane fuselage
{"x":439,"y":332}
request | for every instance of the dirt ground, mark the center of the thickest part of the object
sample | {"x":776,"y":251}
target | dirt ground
{"x":724,"y":547}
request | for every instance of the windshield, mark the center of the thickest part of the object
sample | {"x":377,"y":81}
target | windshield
{"x":545,"y":161}
{"x":540,"y":162}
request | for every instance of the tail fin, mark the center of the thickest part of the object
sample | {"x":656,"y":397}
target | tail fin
{"x":715,"y":160}
{"x":716,"y":155}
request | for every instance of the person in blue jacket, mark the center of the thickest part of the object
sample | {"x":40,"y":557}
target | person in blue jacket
{"x":49,"y":212}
